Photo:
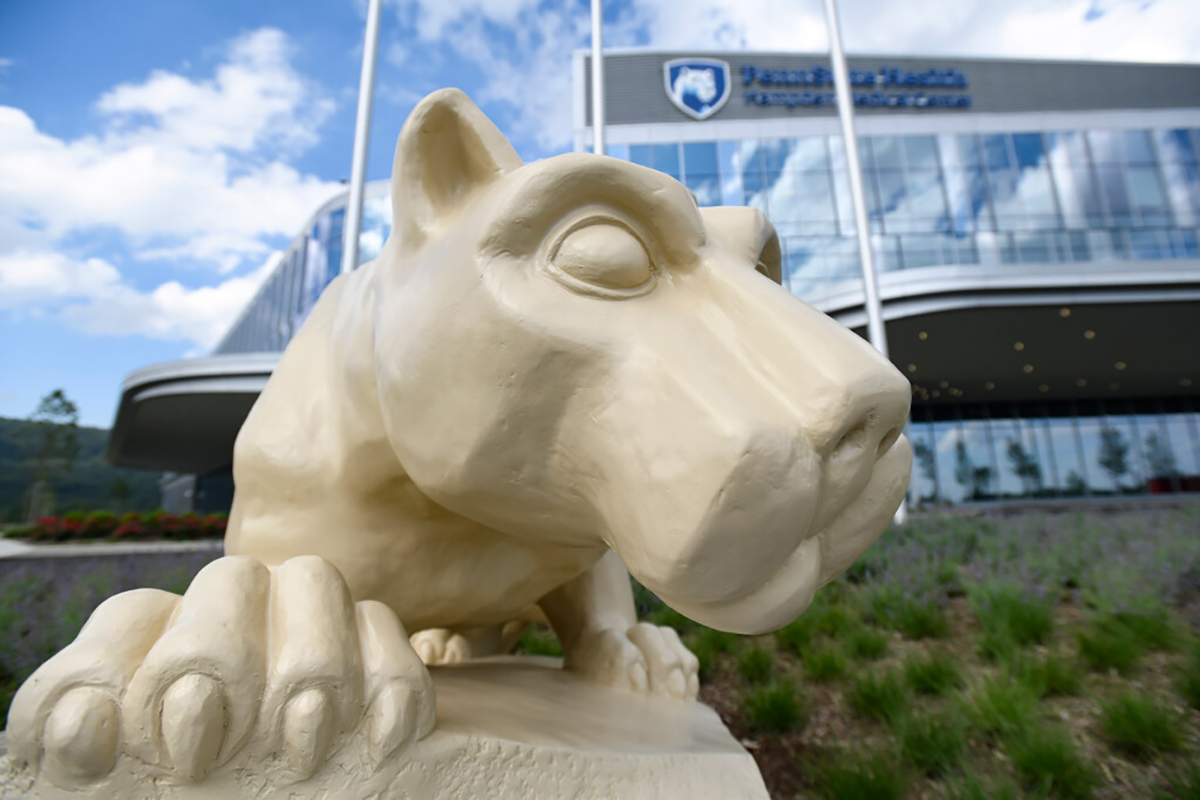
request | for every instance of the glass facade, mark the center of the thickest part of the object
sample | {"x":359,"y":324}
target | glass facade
{"x":1038,"y":197}
{"x":933,"y":200}
{"x":311,"y":261}
{"x":1005,"y":451}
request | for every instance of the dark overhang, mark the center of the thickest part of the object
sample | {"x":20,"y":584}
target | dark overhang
{"x":183,"y":416}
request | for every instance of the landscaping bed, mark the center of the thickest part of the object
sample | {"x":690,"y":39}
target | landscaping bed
{"x":1041,"y":656}
{"x":80,"y":526}
{"x":1032,"y":656}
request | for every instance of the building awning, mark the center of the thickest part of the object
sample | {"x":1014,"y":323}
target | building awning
{"x":183,"y":416}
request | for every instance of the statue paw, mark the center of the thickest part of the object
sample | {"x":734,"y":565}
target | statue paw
{"x":647,"y":659}
{"x":280,"y":665}
{"x":441,"y":646}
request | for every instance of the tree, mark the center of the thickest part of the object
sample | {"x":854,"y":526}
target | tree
{"x":972,"y":478}
{"x":55,"y":423}
{"x":118,"y":493}
{"x":924,"y":457}
{"x":1114,"y":455}
{"x":1025,"y":466}
{"x":983,"y":478}
{"x":1160,"y":458}
{"x":1076,"y":485}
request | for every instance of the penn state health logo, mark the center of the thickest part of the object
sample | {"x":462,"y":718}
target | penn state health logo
{"x":698,"y":87}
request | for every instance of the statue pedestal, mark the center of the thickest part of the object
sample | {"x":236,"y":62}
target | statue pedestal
{"x":507,"y":728}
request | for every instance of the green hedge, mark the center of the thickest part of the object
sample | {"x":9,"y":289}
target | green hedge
{"x":132,"y":527}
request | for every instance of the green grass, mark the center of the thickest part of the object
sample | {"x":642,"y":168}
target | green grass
{"x":756,"y":665}
{"x":932,"y":743}
{"x":539,"y":640}
{"x":1010,"y":618}
{"x":935,"y":674}
{"x":856,"y":777}
{"x":708,"y":645}
{"x":835,"y":619}
{"x":1183,"y":783}
{"x":824,"y":662}
{"x":798,"y":635}
{"x":665,"y":615}
{"x":880,"y":697}
{"x":1052,"y":676}
{"x":1187,"y":682}
{"x":1153,"y":628}
{"x":1106,"y":646}
{"x":777,"y":707}
{"x":1139,"y":728}
{"x":913,"y":618}
{"x":972,"y":788}
{"x":1049,"y":763}
{"x":1002,"y":707}
{"x":917,"y":620}
{"x":865,"y":643}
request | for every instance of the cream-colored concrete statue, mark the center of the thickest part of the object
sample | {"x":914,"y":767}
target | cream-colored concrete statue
{"x":552,"y":372}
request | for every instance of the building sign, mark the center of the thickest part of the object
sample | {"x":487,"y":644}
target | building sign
{"x":698,"y":87}
{"x":887,"y":87}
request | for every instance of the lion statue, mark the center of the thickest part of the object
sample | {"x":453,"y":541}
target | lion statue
{"x":552,"y":373}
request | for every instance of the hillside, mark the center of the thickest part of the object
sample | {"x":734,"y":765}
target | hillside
{"x":85,"y":487}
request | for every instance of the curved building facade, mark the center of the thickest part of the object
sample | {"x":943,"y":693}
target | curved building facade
{"x":1036,"y":226}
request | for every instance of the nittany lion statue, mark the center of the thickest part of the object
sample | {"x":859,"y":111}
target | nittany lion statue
{"x":552,"y":372}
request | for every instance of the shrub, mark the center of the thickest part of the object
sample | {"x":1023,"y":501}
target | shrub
{"x":824,"y":663}
{"x":876,"y":776}
{"x":881,"y":697}
{"x":1108,"y":646}
{"x":81,"y":526}
{"x":1002,"y":707}
{"x":777,"y":707}
{"x":866,"y":643}
{"x":933,"y":744}
{"x":934,"y":674}
{"x":1139,"y":727}
{"x":1049,"y":763}
{"x":756,"y":665}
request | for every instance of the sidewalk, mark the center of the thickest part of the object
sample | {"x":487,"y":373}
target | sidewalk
{"x":12,"y":549}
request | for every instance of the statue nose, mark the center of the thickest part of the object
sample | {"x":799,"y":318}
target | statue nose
{"x":871,"y":427}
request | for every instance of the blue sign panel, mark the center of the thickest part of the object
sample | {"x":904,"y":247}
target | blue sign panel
{"x":698,"y":87}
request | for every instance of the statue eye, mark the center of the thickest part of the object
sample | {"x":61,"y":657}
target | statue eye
{"x":605,"y":256}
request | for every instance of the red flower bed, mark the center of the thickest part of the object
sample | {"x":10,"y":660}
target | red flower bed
{"x":131,"y":527}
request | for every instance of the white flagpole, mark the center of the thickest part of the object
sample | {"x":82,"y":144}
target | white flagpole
{"x":362,"y":135}
{"x":876,"y":331}
{"x":597,"y":78}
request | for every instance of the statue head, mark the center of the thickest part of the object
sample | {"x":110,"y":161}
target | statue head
{"x":573,"y":351}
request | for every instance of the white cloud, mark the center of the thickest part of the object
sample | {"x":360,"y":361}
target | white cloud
{"x":186,"y":172}
{"x":90,"y":295}
{"x":528,"y":68}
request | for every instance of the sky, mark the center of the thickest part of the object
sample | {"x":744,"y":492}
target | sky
{"x":155,"y":154}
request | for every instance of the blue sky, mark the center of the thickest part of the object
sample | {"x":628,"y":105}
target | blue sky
{"x":154,"y":154}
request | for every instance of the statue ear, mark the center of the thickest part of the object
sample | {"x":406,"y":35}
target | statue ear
{"x":447,"y":151}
